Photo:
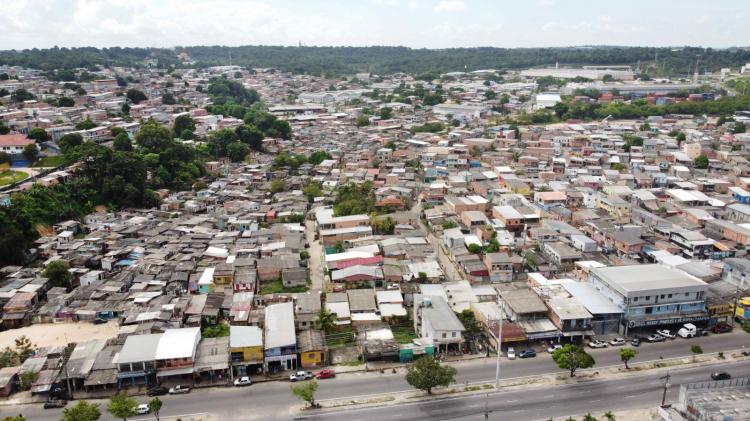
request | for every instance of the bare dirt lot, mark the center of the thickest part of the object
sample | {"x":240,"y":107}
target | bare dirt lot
{"x":49,"y":334}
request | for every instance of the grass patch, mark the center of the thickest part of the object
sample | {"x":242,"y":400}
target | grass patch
{"x":276,"y":287}
{"x":48,"y":161}
{"x":404,"y":334}
{"x":10,"y":177}
{"x":487,"y":386}
{"x":344,"y":336}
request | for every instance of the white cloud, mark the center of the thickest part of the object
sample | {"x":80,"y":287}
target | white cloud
{"x":450,"y":6}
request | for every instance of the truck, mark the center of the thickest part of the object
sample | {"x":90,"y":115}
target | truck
{"x":688,"y":330}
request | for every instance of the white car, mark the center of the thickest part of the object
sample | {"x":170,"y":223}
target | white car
{"x":511,"y":354}
{"x":142,"y":409}
{"x":553,"y":348}
{"x":300,"y":375}
{"x":617,"y":342}
{"x":243,"y":381}
{"x":665,"y":333}
{"x":597,"y":344}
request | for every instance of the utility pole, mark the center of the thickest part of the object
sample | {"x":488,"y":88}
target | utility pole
{"x":364,"y":350}
{"x":736,"y":296}
{"x":666,"y":386}
{"x":499,"y":351}
{"x":486,"y":407}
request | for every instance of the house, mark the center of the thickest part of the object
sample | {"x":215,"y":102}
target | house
{"x":294,"y":277}
{"x":280,"y":340}
{"x":435,"y":320}
{"x":503,"y":267}
{"x":311,"y":345}
{"x":246,"y":349}
{"x":13,"y":144}
{"x":561,"y":254}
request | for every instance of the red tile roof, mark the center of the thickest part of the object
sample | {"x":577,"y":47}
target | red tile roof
{"x":15,"y":140}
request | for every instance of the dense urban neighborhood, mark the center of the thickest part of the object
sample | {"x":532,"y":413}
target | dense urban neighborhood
{"x":342,"y":244}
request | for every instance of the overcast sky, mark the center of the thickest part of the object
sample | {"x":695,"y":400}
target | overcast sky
{"x":412,"y":23}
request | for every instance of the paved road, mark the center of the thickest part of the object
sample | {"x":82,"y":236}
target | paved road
{"x":273,"y":401}
{"x":596,"y":397}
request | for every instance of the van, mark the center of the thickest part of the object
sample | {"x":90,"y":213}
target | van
{"x":688,"y":330}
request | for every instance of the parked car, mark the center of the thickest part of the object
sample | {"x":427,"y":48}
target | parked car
{"x":553,"y":348}
{"x":243,"y":381}
{"x":656,"y":338}
{"x":100,"y":321}
{"x":511,"y":353}
{"x":142,"y":409}
{"x":527,"y":353}
{"x":179,"y":390}
{"x":597,"y":344}
{"x":666,"y":333}
{"x":636,"y":341}
{"x":326,"y":373}
{"x":55,"y":403}
{"x":617,"y":342}
{"x":721,"y":328}
{"x":720,"y":375}
{"x":157,"y":391}
{"x":300,"y":375}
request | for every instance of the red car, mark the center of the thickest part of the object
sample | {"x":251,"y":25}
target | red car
{"x":326,"y":373}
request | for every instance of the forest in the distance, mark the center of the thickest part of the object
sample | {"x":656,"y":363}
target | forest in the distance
{"x":336,"y":61}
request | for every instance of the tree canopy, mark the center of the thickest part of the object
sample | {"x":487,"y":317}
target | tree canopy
{"x":427,"y":373}
{"x":572,"y":357}
{"x":121,"y":406}
{"x":82,"y":411}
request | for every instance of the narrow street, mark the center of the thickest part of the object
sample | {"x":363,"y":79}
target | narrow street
{"x":317,"y":268}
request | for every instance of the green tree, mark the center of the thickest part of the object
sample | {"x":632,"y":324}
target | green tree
{"x":696,"y":349}
{"x":362,"y":120}
{"x":135,"y":96}
{"x":427,"y":373}
{"x":155,"y":405}
{"x":589,"y":417}
{"x":167,"y":98}
{"x":38,"y":134}
{"x":474,"y":248}
{"x":219,"y":330}
{"x":609,"y":416}
{"x":219,"y":140}
{"x":739,"y":127}
{"x":645,"y":127}
{"x":58,"y":273}
{"x":469,"y":321}
{"x":318,"y":156}
{"x":386,"y":113}
{"x":312,"y":190}
{"x":627,"y":354}
{"x":86,"y":124}
{"x":572,"y":357}
{"x":237,"y":151}
{"x":701,"y":162}
{"x":66,"y":102}
{"x":153,"y":137}
{"x":680,"y":137}
{"x":306,"y":391}
{"x":26,"y":379}
{"x":82,"y":411}
{"x":125,"y":108}
{"x":121,"y":406}
{"x":251,"y":136}
{"x":5,"y":158}
{"x":325,"y":320}
{"x":69,"y":141}
{"x":8,"y":358}
{"x":183,"y":122}
{"x":391,"y":145}
{"x":14,"y":418}
{"x":277,"y":185}
{"x":21,"y":95}
{"x":449,"y":224}
{"x":122,"y":143}
{"x":4,"y":129}
{"x":31,"y":152}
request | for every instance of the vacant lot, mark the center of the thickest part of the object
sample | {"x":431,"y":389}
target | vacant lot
{"x":49,"y":334}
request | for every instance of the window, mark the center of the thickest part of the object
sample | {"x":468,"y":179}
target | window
{"x":445,"y":335}
{"x":648,"y":297}
{"x":687,"y":294}
{"x":662,"y":296}
{"x":453,"y":334}
{"x":635,"y":299}
{"x":669,"y":296}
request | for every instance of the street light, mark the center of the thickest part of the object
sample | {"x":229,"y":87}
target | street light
{"x":666,"y":387}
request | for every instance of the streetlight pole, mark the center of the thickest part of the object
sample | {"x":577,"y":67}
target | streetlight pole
{"x":666,"y":386}
{"x":499,"y":339}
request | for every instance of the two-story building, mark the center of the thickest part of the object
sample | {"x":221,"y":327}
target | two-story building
{"x":246,"y":349}
{"x":280,"y":340}
{"x":652,"y":295}
{"x":435,"y":320}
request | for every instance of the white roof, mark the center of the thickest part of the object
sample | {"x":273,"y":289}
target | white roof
{"x":280,"y":325}
{"x":245,"y":336}
{"x":389,"y":296}
{"x":178,"y":343}
{"x":390,"y":309}
{"x":207,"y":277}
{"x":340,"y":309}
{"x":216,"y":252}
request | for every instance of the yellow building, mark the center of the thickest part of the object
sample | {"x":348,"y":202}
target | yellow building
{"x":246,"y":349}
{"x":311,"y":345}
{"x":223,"y":274}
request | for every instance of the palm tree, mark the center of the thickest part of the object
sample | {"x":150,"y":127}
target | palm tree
{"x":609,"y":416}
{"x":325,"y":320}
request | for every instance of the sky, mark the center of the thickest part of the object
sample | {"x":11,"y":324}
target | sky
{"x":412,"y":23}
